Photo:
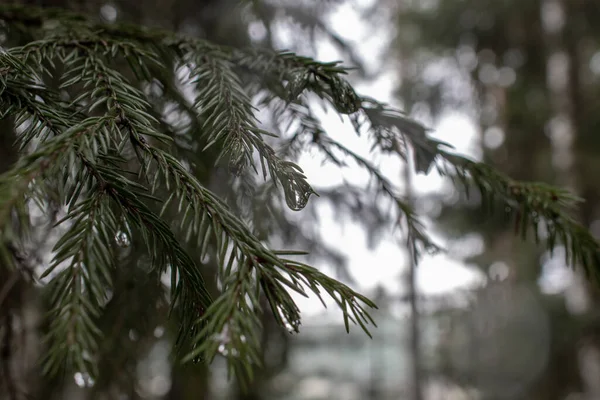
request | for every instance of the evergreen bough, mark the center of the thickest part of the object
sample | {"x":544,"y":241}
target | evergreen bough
{"x":106,"y":154}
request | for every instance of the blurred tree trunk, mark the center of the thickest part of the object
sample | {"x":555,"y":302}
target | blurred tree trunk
{"x":417,"y":381}
{"x":575,"y":36}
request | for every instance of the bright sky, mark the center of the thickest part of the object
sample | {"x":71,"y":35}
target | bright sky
{"x":383,"y":266}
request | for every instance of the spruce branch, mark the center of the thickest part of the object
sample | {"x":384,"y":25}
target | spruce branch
{"x":529,"y":203}
{"x":237,"y":250}
{"x":188,"y":289}
{"x":309,"y":132}
{"x":124,"y":105}
{"x":531,"y":206}
{"x":79,"y":290}
{"x":229,"y":117}
{"x":79,"y":152}
{"x":415,"y":229}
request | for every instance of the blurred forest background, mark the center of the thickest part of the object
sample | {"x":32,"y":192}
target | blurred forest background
{"x":527,"y":75}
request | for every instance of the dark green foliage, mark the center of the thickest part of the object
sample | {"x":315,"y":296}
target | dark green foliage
{"x":98,"y":145}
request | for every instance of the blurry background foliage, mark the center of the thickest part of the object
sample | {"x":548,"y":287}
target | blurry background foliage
{"x":527,"y":74}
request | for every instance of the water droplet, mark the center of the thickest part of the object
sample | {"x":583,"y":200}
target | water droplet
{"x":296,"y":201}
{"x":133,"y":336}
{"x":86,"y":355}
{"x":109,"y":12}
{"x":223,"y":336}
{"x":223,"y":350}
{"x":79,"y":381}
{"x":243,"y":338}
{"x":235,"y":353}
{"x":198,"y":358}
{"x":296,"y":86}
{"x":159,"y":331}
{"x":345,"y":98}
{"x":236,"y":167}
{"x":293,"y":326}
{"x":508,"y":209}
{"x":499,"y":271}
{"x":122,"y":239}
{"x":83,"y":379}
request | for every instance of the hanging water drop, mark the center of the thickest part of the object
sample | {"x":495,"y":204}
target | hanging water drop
{"x":79,"y":381}
{"x":296,"y":201}
{"x":292,"y":326}
{"x":296,"y":85}
{"x":159,"y":331}
{"x":236,"y":167}
{"x":223,"y":336}
{"x":345,"y":98}
{"x":198,"y":357}
{"x":133,"y":335}
{"x":122,"y":239}
{"x":83,"y":379}
{"x":87,"y":356}
{"x":223,"y":350}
